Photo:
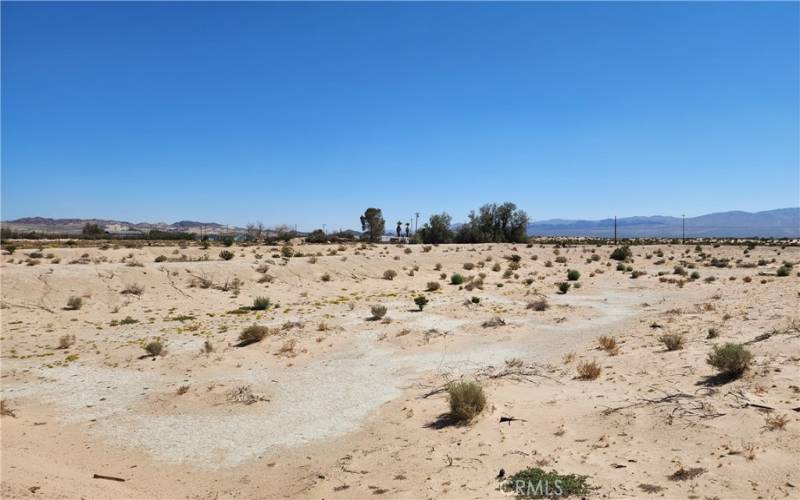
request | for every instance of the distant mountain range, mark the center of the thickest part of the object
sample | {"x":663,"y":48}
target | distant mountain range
{"x":75,"y":226}
{"x":779,"y":223}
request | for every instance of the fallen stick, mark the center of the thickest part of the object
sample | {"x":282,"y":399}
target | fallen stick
{"x":110,"y":478}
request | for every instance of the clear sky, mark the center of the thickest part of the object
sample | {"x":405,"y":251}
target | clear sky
{"x":309,"y":113}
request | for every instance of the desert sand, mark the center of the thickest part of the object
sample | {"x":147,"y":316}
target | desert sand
{"x":333,"y":404}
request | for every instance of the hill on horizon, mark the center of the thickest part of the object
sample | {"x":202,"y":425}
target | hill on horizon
{"x":778,"y":223}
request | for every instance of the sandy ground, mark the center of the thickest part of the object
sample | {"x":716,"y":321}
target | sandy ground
{"x":347,"y":407}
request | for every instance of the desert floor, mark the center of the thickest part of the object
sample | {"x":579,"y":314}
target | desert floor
{"x":334,"y":405}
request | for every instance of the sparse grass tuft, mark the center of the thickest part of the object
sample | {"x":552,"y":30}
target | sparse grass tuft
{"x":260,"y":304}
{"x":588,"y":370}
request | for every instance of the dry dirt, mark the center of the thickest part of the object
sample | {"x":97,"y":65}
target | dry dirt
{"x":341,"y":406}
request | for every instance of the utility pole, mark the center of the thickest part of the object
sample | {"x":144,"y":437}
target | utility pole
{"x":416,"y":222}
{"x":615,"y":229}
{"x":683,"y":228}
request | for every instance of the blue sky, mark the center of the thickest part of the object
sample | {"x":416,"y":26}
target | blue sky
{"x":309,"y":113}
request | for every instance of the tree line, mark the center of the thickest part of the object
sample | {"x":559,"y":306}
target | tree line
{"x":493,"y":223}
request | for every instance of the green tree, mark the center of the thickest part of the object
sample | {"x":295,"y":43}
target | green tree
{"x":372,"y":223}
{"x":437,"y":229}
{"x":503,"y":223}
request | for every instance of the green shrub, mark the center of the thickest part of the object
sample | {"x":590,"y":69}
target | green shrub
{"x":421,"y":301}
{"x":154,"y":348}
{"x":730,"y":359}
{"x":620,"y":267}
{"x":536,"y":483}
{"x":226,"y":255}
{"x":573,"y":275}
{"x":783,"y":271}
{"x":378,"y":311}
{"x":695,"y":275}
{"x":260,"y":304}
{"x":672,"y":341}
{"x":475,"y":300}
{"x":456,"y":279}
{"x":74,"y":303}
{"x":621,"y":253}
{"x":466,"y":400}
{"x":564,"y":286}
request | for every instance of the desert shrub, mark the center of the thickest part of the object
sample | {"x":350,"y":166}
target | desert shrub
{"x":133,"y":289}
{"x":607,"y":343}
{"x":475,"y":300}
{"x":695,"y":275}
{"x":252,"y":334}
{"x":679,"y":270}
{"x":160,"y":258}
{"x":573,"y":275}
{"x":437,"y":267}
{"x":433,"y":286}
{"x":287,"y":251}
{"x":407,"y":251}
{"x":783,"y":271}
{"x":747,"y":279}
{"x":154,"y":348}
{"x":456,"y":279}
{"x":10,"y":249}
{"x":226,"y":255}
{"x":325,"y":277}
{"x":534,"y":482}
{"x":621,"y":253}
{"x":466,"y":400}
{"x":469,"y":266}
{"x":389,"y":274}
{"x":74,"y":303}
{"x":378,"y":311}
{"x":494,"y":322}
{"x":672,"y":341}
{"x":421,"y":301}
{"x":730,"y":359}
{"x":564,"y":286}
{"x":260,"y":304}
{"x":588,"y":370}
{"x":66,"y":341}
{"x":634,"y":275}
{"x":539,"y":304}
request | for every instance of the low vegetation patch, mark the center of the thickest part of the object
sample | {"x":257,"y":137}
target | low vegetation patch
{"x":534,"y":482}
{"x":378,"y":311}
{"x":260,"y":304}
{"x":730,"y":359}
{"x":466,"y":400}
{"x":588,"y":370}
{"x":252,"y":334}
{"x":74,"y":303}
{"x":672,"y":341}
